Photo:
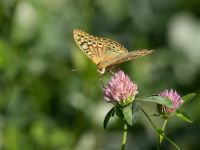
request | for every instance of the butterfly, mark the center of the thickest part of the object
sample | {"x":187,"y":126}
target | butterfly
{"x":105,"y":53}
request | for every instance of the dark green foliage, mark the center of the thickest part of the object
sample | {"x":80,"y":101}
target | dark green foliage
{"x":110,"y":114}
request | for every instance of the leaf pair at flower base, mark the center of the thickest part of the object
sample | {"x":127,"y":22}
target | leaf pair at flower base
{"x":129,"y":114}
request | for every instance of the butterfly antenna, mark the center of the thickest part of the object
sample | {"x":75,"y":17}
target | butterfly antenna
{"x":77,"y":70}
{"x":73,"y":70}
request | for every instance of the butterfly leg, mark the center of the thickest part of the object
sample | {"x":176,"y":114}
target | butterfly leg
{"x":110,"y":68}
{"x":111,"y":72}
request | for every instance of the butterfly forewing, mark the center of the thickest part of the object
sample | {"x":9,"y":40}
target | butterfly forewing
{"x":96,"y":48}
{"x":90,"y":45}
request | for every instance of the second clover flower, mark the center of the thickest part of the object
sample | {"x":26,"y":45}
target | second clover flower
{"x":120,"y":90}
{"x":174,"y":97}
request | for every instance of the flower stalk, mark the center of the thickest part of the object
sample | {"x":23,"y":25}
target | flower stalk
{"x":124,"y":136}
{"x":163,"y":128}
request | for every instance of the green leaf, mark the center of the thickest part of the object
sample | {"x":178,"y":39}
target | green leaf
{"x":107,"y":117}
{"x":184,"y":116}
{"x":156,"y":99}
{"x":135,"y":111}
{"x":127,"y":112}
{"x":188,"y":97}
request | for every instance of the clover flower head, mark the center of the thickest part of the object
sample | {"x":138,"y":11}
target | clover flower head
{"x":174,"y":97}
{"x":120,"y":89}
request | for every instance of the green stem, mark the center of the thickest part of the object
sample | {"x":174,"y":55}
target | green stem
{"x":164,"y":124}
{"x":124,"y":136}
{"x":161,"y":136}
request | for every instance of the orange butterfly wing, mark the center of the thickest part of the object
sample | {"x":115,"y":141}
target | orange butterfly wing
{"x":105,"y":52}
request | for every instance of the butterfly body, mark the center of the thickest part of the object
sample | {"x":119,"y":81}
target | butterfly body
{"x":105,"y":52}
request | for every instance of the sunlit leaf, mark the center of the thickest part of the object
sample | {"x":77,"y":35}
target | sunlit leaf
{"x":127,"y":112}
{"x":184,"y":116}
{"x":156,"y":99}
{"x":107,"y":117}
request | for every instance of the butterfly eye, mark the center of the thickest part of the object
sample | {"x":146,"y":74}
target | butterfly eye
{"x":101,"y":70}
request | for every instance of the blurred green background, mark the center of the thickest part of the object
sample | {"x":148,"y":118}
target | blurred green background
{"x":45,"y":106}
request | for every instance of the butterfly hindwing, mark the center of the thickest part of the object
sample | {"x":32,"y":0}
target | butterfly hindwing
{"x":114,"y":46}
{"x":125,"y":57}
{"x":135,"y":54}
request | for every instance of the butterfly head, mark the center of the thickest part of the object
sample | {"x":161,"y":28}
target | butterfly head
{"x":101,"y":69}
